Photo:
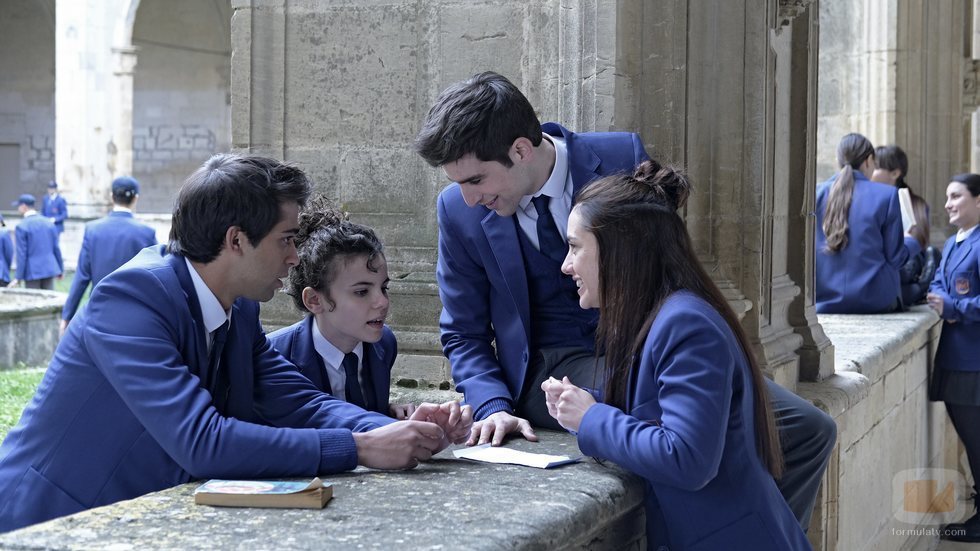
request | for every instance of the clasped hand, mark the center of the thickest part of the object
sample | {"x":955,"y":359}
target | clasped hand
{"x":404,"y":444}
{"x":567,"y":403}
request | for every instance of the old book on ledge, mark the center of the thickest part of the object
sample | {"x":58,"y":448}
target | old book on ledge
{"x":313,"y":494}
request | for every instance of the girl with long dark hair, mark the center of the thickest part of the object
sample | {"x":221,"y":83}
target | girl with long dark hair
{"x":917,"y":272}
{"x":859,"y":237}
{"x":686,"y":403}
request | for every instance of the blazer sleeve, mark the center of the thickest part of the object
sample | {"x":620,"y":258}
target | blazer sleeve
{"x":966,"y":309}
{"x":7,"y":250}
{"x":694,"y":374}
{"x":898,"y":249}
{"x":132,"y":330}
{"x":466,"y":333}
{"x":22,"y":238}
{"x":83,"y":276}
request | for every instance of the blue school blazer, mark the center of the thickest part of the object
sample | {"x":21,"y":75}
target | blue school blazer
{"x":122,"y":411}
{"x":56,"y":209}
{"x":38,"y":253}
{"x":109,"y":242}
{"x":958,"y":282}
{"x":485,"y":320}
{"x":862,"y":278}
{"x":6,"y":255}
{"x":689,"y":432}
{"x":296,"y":344}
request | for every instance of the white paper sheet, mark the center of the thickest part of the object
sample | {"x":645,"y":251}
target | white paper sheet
{"x":490,"y":454}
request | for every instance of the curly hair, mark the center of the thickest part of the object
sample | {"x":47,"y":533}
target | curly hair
{"x":325,"y":235}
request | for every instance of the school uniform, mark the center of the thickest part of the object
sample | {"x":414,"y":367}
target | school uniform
{"x":6,"y":256}
{"x":504,"y":300}
{"x":688,"y":430}
{"x":956,"y":377}
{"x":38,"y":252}
{"x":108,"y":243}
{"x":131,"y":403}
{"x":297,"y":343}
{"x":863,"y":277}
{"x":55,"y":208}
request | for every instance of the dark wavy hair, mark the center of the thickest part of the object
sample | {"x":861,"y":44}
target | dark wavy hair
{"x":326,"y":235}
{"x":246,"y":191}
{"x":483,"y":116}
{"x":891,"y":157}
{"x":852,"y":151}
{"x":630,"y":213}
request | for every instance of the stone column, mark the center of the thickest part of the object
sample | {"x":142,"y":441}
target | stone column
{"x":121,"y":151}
{"x":84,"y":102}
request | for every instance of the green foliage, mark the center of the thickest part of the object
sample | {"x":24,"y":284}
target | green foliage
{"x":17,"y":386}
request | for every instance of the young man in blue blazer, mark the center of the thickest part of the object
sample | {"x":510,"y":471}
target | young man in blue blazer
{"x":108,"y":243}
{"x":55,"y":207}
{"x":510,"y":318}
{"x":166,"y":376}
{"x":38,"y":253}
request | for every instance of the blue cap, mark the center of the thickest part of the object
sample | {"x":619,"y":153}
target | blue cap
{"x":25,"y":199}
{"x":125,"y":185}
{"x":53,"y":184}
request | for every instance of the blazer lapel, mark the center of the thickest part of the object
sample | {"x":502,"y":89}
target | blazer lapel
{"x":501,"y":232}
{"x":962,"y":252}
{"x":200,"y":346}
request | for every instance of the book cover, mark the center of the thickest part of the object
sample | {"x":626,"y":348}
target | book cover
{"x":313,"y":494}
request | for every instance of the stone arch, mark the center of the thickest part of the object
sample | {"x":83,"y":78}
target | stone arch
{"x":181,"y":109}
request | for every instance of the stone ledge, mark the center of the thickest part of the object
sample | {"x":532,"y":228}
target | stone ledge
{"x":444,"y":504}
{"x":872,"y":345}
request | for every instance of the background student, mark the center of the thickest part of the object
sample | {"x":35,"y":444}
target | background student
{"x":686,"y":405}
{"x":54,"y":206}
{"x":38,"y":253}
{"x":955,"y":296}
{"x":6,"y":253}
{"x":108,"y":243}
{"x":917,"y":272}
{"x":341,"y":281}
{"x":859,"y":237}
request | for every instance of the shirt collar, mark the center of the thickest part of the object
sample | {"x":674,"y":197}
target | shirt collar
{"x":212,"y":313}
{"x":961,"y":235}
{"x":30,"y":212}
{"x":119,"y":208}
{"x":332,"y":356}
{"x":555,"y":185}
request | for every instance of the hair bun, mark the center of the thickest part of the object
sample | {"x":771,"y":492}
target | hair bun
{"x":318,"y":214}
{"x":667,"y":183}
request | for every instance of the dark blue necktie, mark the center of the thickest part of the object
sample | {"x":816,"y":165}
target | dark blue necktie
{"x":550,"y":242}
{"x":219,"y":382}
{"x":352,"y":386}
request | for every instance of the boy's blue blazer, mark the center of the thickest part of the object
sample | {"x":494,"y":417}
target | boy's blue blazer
{"x":689,"y":432}
{"x":38,"y":252}
{"x":109,"y":242}
{"x":863,"y":278}
{"x":958,"y":282}
{"x":486,"y":318}
{"x":56,"y":209}
{"x":121,"y":410}
{"x":296,"y":344}
{"x":6,"y":255}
